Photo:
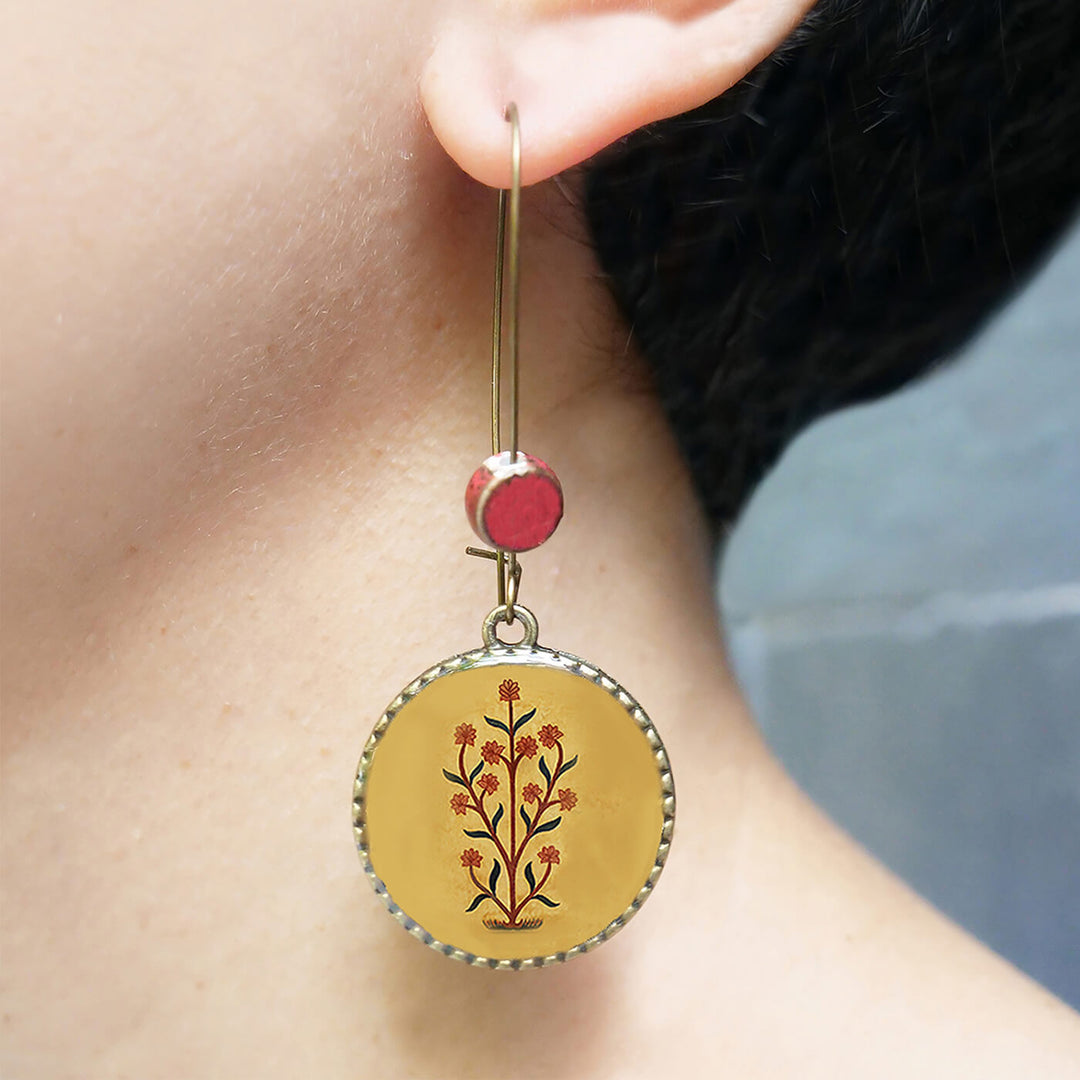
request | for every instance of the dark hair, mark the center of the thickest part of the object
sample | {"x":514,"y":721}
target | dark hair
{"x":839,"y":220}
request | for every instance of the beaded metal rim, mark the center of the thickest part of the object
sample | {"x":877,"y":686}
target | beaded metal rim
{"x":540,"y":657}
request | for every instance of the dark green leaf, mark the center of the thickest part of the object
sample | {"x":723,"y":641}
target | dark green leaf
{"x":543,"y":766}
{"x":530,"y":877}
{"x":454,"y":778}
{"x":548,"y":825}
{"x":525,"y":816}
{"x":476,"y":901}
{"x":496,"y":818}
{"x":477,"y":834}
{"x":479,"y":766}
{"x":544,"y":900}
{"x":568,"y":766}
{"x":494,"y":876}
{"x":524,"y":718}
{"x":497,"y":724}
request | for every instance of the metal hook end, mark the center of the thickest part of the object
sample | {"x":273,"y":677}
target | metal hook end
{"x":509,"y":574}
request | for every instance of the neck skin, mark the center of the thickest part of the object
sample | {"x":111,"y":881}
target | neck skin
{"x":268,"y":546}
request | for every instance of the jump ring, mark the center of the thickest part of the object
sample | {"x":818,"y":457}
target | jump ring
{"x":522,"y":615}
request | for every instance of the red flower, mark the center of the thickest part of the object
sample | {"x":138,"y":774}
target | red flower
{"x":531,"y":792}
{"x":459,"y":803}
{"x":491,"y":752}
{"x":526,"y":745}
{"x":489,"y":782}
{"x":548,"y":854}
{"x":567,"y":799}
{"x":550,"y":735}
{"x":471,"y":857}
{"x":464,"y":735}
{"x":509,"y":690}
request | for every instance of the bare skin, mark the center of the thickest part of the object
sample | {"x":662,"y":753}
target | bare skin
{"x":245,"y":332}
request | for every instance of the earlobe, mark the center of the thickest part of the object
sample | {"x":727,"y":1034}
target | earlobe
{"x":583,"y":78}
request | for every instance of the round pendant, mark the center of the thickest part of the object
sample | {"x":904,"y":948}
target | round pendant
{"x":513,"y":806}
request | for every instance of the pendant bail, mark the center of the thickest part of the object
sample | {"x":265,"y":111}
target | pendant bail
{"x":503,"y":613}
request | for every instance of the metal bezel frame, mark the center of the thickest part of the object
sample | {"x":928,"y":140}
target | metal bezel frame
{"x":538,"y":656}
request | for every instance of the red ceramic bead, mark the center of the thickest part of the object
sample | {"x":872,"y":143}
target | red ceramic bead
{"x":514,"y":506}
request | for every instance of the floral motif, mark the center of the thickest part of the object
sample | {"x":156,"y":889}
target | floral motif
{"x":549,"y":735}
{"x":516,"y":822}
{"x":491,"y":752}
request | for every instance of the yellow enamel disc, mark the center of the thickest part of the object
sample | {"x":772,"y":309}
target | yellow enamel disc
{"x":513,"y":806}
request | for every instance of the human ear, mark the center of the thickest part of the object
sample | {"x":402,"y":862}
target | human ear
{"x":583,"y":72}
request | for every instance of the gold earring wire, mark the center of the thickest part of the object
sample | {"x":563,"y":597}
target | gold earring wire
{"x":515,"y":293}
{"x":507,"y":566}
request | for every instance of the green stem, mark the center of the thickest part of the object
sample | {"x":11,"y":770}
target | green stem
{"x":543,"y":806}
{"x":539,"y":885}
{"x":479,"y":805}
{"x":487,"y":892}
{"x":512,"y":770}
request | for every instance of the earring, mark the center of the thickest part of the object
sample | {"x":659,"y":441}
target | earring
{"x":514,"y":806}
